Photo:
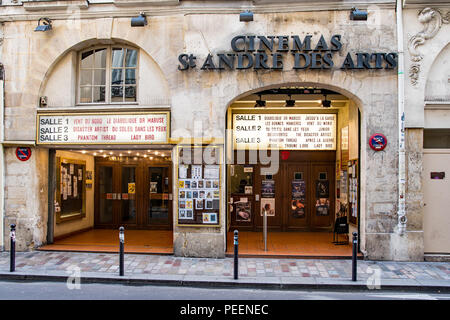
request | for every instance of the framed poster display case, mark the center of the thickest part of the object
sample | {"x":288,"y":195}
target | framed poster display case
{"x":353,"y":191}
{"x":198,"y":183}
{"x":70,"y":189}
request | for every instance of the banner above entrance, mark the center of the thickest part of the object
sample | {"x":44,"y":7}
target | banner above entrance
{"x":284,"y":131}
{"x":102,"y":128}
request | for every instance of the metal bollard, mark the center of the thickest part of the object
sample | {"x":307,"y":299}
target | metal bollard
{"x":121,"y":253}
{"x":354,"y":255}
{"x":12,"y":265}
{"x":236,"y":261}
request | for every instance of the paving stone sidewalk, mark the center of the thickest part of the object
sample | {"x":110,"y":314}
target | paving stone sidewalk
{"x":257,"y":269}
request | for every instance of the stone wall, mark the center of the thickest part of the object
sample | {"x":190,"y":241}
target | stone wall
{"x":199,"y":99}
{"x":26,"y":192}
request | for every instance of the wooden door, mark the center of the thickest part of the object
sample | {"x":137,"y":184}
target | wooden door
{"x":436,"y":184}
{"x":269,"y":187}
{"x":297,"y":196}
{"x":322,"y":196}
{"x":157,"y":194}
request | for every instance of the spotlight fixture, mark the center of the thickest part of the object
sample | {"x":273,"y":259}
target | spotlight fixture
{"x":45,"y":26}
{"x":246,"y":16}
{"x":356,"y":14}
{"x":260,"y":103}
{"x":326,"y":103}
{"x":290,"y":102}
{"x":140,"y":21}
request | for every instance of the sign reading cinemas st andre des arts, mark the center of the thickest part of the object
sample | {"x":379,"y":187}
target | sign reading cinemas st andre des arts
{"x":270,"y":52}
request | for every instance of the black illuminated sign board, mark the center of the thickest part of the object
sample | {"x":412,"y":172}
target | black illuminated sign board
{"x":268,"y":52}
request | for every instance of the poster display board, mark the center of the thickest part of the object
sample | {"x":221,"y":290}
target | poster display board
{"x":70,"y":189}
{"x":198,"y":186}
{"x":284,"y":131}
{"x":344,"y":147}
{"x":322,"y":198}
{"x":298,"y":198}
{"x":103,"y":128}
{"x":353,"y":194}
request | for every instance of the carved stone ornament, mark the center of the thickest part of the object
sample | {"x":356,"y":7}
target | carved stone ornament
{"x":432,"y":19}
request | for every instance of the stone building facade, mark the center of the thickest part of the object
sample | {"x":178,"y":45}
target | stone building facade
{"x":46,"y":64}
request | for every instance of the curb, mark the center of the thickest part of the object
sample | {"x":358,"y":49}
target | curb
{"x":251,"y":283}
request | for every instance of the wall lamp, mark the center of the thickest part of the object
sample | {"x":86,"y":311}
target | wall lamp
{"x":356,"y":14}
{"x":45,"y":26}
{"x":290,"y":102}
{"x":326,"y":103}
{"x":246,"y":16}
{"x":139,"y":21}
{"x":260,"y":103}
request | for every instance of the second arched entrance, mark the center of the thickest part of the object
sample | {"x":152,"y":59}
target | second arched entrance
{"x":293,"y":172}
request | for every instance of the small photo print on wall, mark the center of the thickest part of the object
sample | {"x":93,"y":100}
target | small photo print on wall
{"x":189,"y":214}
{"x":199,"y":204}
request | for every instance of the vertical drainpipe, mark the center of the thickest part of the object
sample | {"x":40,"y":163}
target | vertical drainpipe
{"x":401,"y":226}
{"x":2,"y":157}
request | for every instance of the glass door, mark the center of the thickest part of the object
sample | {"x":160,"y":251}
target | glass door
{"x":128,"y":195}
{"x":105,"y":188}
{"x":158,"y":198}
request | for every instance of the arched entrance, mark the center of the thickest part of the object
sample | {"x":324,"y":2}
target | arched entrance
{"x":293,"y":171}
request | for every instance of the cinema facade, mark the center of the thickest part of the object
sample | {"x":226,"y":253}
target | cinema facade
{"x":196,"y":124}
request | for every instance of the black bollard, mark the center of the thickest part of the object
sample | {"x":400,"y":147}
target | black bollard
{"x":354,"y":255}
{"x":12,"y":265}
{"x":121,"y":245}
{"x":236,"y":261}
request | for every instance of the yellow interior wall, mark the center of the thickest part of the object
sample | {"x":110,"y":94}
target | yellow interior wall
{"x":88,"y":221}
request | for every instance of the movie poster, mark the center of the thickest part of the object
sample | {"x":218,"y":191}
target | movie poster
{"x":268,"y":205}
{"x":322,"y":189}
{"x":243,"y":211}
{"x":268,"y":189}
{"x":298,"y":190}
{"x":322,"y":207}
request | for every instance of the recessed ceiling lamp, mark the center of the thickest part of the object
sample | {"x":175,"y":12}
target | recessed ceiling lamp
{"x":260,"y":103}
{"x":326,"y":103}
{"x":290,"y":102}
{"x":83,"y":152}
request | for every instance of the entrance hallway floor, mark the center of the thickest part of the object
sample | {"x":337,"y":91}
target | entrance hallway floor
{"x":107,"y":240}
{"x":251,"y":244}
{"x":290,"y":245}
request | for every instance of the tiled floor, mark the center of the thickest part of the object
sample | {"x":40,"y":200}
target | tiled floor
{"x":289,"y":244}
{"x":106,"y":240}
{"x":282,"y":244}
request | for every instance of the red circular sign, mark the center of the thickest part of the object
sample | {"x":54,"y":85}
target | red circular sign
{"x":23,"y":153}
{"x":378,"y":142}
{"x":285,"y":155}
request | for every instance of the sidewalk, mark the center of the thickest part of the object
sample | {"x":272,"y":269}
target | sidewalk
{"x":253,"y":272}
